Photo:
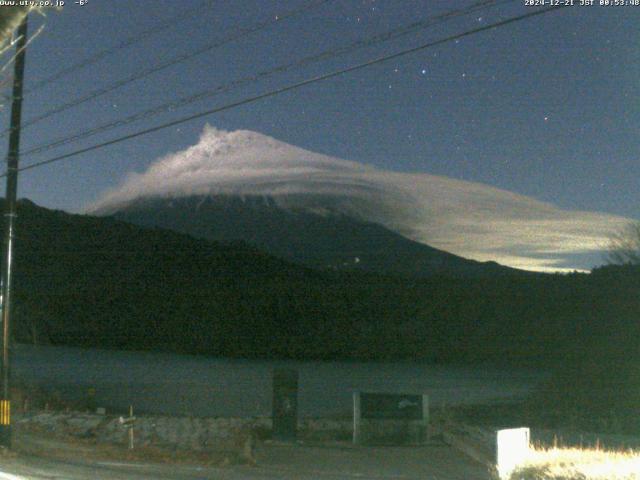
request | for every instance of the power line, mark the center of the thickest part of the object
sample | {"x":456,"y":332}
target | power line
{"x":207,"y":93}
{"x":120,"y":46}
{"x":290,"y":87}
{"x":166,"y":64}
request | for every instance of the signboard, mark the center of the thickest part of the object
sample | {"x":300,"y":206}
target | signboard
{"x":390,"y":417}
{"x":391,"y":406}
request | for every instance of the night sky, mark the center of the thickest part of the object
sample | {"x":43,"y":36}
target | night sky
{"x":548,"y":107}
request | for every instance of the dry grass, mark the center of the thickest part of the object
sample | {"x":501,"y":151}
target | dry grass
{"x":579,"y":464}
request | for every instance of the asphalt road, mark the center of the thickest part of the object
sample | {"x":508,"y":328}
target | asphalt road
{"x":286,"y":462}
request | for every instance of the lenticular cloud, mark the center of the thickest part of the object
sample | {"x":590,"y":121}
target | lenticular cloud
{"x":469,"y":219}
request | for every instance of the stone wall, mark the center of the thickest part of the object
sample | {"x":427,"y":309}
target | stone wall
{"x":196,"y":434}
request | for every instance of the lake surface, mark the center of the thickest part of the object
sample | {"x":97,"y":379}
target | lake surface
{"x":164,"y":383}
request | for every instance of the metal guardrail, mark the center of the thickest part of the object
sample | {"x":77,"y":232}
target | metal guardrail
{"x":475,"y":442}
{"x":501,"y":450}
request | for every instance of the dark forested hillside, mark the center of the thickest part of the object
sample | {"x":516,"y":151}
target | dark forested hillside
{"x":99,"y":282}
{"x":315,"y":233}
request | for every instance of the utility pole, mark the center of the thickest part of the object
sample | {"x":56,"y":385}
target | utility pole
{"x":10,"y":215}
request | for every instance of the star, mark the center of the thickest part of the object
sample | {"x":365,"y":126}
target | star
{"x":424,"y":71}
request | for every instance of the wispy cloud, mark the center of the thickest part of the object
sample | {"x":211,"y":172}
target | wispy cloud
{"x":469,"y":219}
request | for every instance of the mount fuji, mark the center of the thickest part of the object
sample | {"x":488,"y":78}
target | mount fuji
{"x":326,"y":212}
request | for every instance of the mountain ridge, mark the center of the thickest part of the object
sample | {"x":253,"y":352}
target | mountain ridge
{"x":308,"y":231}
{"x":99,"y":282}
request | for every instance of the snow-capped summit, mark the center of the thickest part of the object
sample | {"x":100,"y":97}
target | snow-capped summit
{"x":469,"y":219}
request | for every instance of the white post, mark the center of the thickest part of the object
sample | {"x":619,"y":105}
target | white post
{"x":356,"y":417}
{"x":128,"y":424}
{"x":131,"y":427}
{"x":425,"y":416}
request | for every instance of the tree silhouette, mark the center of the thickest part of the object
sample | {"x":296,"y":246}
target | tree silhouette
{"x":624,"y":246}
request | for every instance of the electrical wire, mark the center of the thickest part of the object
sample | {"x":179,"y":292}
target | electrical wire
{"x":166,"y":64}
{"x":291,"y":87}
{"x":327,"y":54}
{"x":95,"y":58}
